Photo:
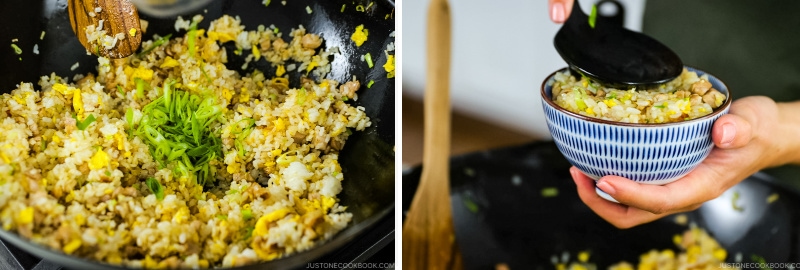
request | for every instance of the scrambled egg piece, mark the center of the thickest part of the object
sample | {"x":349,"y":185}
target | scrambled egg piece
{"x":77,"y":103}
{"x":169,"y":62}
{"x":389,"y":67}
{"x":360,"y":35}
{"x":99,"y":160}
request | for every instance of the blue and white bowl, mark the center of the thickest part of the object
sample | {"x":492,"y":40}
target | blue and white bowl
{"x":647,"y":153}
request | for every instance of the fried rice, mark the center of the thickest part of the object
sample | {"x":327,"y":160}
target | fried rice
{"x":686,"y":97}
{"x":77,"y":185}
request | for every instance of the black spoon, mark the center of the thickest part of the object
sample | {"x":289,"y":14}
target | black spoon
{"x":612,"y":55}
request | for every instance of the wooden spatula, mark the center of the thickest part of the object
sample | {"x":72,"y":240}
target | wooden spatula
{"x":428,"y":236}
{"x":118,"y":16}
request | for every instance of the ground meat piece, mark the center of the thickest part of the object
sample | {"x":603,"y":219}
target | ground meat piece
{"x":695,"y":99}
{"x":600,"y":93}
{"x":660,"y":97}
{"x":701,"y":87}
{"x":349,"y":88}
{"x":712,"y":96}
{"x":682,"y":94}
{"x":265,"y":43}
{"x":311,"y":41}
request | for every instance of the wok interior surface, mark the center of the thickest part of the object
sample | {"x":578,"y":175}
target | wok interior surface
{"x":501,"y":215}
{"x":367,"y":159}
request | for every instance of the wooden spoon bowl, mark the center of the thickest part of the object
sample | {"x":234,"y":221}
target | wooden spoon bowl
{"x":112,"y":16}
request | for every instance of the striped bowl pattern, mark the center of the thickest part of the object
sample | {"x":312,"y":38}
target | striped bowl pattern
{"x":649,"y":153}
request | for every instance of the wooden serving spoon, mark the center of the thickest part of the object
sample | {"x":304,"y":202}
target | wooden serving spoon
{"x":428,"y":235}
{"x":118,"y":16}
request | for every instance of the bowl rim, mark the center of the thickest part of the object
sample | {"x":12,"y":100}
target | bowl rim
{"x":719,"y":110}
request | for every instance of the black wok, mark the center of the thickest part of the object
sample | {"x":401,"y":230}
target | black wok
{"x":367,"y":159}
{"x":501,"y":217}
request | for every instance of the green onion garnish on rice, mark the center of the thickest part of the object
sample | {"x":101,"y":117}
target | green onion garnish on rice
{"x":266,"y":3}
{"x":139,"y":87}
{"x":129,"y":119}
{"x":242,"y":134}
{"x":593,"y":16}
{"x":369,"y":84}
{"x":155,"y":44}
{"x":247,"y":214}
{"x":177,"y":128}
{"x":121,"y":92}
{"x":192,"y":36}
{"x":155,"y":187}
{"x":343,"y":5}
{"x":82,"y":125}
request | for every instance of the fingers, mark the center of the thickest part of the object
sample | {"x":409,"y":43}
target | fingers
{"x":682,"y":195}
{"x":619,"y":215}
{"x":560,"y":10}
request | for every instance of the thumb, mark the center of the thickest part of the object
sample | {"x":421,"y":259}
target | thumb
{"x":731,"y":131}
{"x":559,"y":10}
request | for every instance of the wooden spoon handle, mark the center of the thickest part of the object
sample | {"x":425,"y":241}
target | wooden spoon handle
{"x":436,"y":150}
{"x":428,"y":234}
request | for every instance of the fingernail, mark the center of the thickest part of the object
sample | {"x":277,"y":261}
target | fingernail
{"x":606,"y":187}
{"x":557,"y":13}
{"x":728,"y":133}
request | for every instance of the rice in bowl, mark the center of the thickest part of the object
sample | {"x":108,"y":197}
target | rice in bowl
{"x":684,"y":98}
{"x":73,"y":162}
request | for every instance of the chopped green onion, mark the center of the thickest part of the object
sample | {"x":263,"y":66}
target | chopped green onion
{"x":773,"y":197}
{"x":733,"y":202}
{"x":360,"y":8}
{"x":308,"y":10}
{"x":760,"y":261}
{"x":222,"y":217}
{"x":301,"y":96}
{"x":139,"y":87}
{"x":275,"y":30}
{"x":370,"y":5}
{"x":16,"y":48}
{"x":120,"y":90}
{"x":549,"y":192}
{"x":343,"y":5}
{"x":368,"y":58}
{"x":108,"y":173}
{"x":471,"y":206}
{"x":129,"y":118}
{"x":242,"y":134}
{"x":344,"y":98}
{"x":82,"y":125}
{"x":593,"y":16}
{"x":369,"y":84}
{"x":191,"y":39}
{"x":247,"y":214}
{"x":155,"y":187}
{"x":177,"y":128}
{"x":266,"y":2}
{"x":248,"y":232}
{"x":155,"y":44}
{"x":44,"y":145}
